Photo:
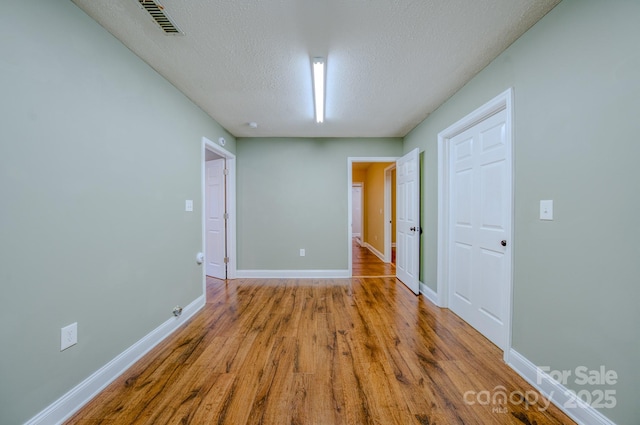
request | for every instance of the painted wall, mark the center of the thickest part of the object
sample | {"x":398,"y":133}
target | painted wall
{"x":393,"y":206}
{"x":358,"y":175}
{"x":292,"y":194}
{"x":577,"y":98}
{"x":374,"y":187}
{"x":97,"y":156}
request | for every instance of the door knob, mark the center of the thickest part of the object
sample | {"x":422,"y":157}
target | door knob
{"x":503,"y":242}
{"x":413,"y":229}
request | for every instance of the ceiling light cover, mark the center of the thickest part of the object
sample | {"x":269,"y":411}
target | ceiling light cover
{"x":318,"y":88}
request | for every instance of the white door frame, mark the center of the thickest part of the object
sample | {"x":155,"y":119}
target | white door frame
{"x":504,"y":101}
{"x":230,"y":195}
{"x":350,"y":162}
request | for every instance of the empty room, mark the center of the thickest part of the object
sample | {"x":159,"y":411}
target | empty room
{"x":305,"y":212}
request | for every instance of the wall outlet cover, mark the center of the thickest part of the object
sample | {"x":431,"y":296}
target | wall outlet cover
{"x":546,"y":209}
{"x":68,"y":336}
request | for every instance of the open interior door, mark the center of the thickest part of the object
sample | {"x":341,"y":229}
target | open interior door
{"x":408,"y":220}
{"x":215,"y":211}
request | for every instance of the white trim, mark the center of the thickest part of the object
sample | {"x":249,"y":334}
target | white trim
{"x":350,"y":161}
{"x":230,"y":193}
{"x":375,"y":252}
{"x":292,"y":274}
{"x":504,"y":101}
{"x":557,"y":393}
{"x":430,"y":294}
{"x":81,"y":394}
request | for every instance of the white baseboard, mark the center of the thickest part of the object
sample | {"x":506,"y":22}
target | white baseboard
{"x":374,"y":251}
{"x":81,"y":394}
{"x":292,"y":274}
{"x":430,"y":294}
{"x":559,"y":395}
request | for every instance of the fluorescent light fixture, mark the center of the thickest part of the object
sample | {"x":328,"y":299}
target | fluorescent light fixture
{"x":318,"y":88}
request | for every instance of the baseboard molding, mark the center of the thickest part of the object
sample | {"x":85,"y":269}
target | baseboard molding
{"x":375,"y":251}
{"x":81,"y":394}
{"x":559,"y":395}
{"x":430,"y":294}
{"x":292,"y":274}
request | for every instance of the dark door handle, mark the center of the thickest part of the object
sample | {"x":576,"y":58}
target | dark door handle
{"x":413,"y":229}
{"x":503,"y":242}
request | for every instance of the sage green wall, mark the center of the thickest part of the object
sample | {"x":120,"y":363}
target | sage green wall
{"x":577,"y":98}
{"x":292,"y":194}
{"x":97,"y":156}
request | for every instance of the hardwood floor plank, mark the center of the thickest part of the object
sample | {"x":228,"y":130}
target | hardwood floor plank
{"x":327,"y":393}
{"x":210,"y":409}
{"x":275,"y":395}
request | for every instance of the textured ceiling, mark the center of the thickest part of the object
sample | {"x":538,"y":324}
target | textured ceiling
{"x":389,"y":62}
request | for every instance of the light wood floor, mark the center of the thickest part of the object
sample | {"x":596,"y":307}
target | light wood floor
{"x":365,"y":263}
{"x":335,"y":351}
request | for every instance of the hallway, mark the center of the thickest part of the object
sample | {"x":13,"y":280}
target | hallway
{"x":367,"y":264}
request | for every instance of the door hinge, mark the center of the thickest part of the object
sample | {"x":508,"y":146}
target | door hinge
{"x":225,"y":216}
{"x":226,"y":260}
{"x":226,"y":172}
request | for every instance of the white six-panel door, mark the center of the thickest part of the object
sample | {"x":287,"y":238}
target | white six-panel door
{"x":356,"y":199}
{"x":480,"y":223}
{"x":408,"y":220}
{"x":215,"y":223}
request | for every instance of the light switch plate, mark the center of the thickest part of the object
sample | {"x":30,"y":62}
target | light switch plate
{"x":546,"y":209}
{"x":188,"y":205}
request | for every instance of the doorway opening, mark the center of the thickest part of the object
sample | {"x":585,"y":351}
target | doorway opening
{"x":371,"y":216}
{"x":218,"y":212}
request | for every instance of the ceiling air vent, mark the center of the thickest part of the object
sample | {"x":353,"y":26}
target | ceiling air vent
{"x":156,"y":10}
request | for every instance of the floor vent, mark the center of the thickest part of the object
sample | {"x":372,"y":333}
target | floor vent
{"x":156,"y":10}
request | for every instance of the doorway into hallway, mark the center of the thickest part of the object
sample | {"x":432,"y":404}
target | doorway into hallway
{"x":371,"y":210}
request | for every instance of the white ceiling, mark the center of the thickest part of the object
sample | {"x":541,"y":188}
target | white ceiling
{"x":390,"y":63}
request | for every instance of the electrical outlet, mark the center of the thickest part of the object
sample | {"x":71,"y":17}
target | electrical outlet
{"x":302,"y":252}
{"x":188,"y":205}
{"x":68,"y":336}
{"x":546,"y":209}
